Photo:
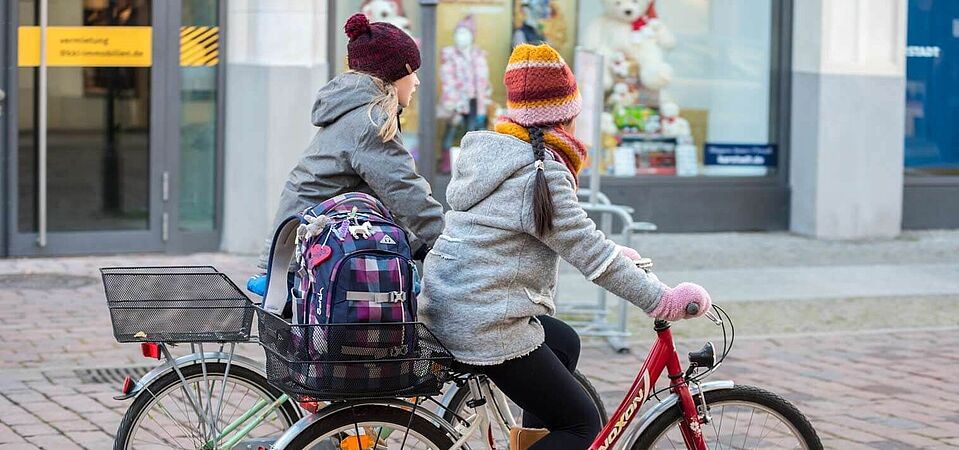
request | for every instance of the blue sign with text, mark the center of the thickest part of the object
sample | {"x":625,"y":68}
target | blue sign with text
{"x":756,"y":155}
{"x":932,"y":85}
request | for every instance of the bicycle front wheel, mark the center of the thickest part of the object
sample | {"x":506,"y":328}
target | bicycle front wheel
{"x":370,"y":427}
{"x":743,"y":417}
{"x":163,"y":416}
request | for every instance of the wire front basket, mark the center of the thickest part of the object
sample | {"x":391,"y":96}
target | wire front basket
{"x":344,"y":361}
{"x":176,"y":304}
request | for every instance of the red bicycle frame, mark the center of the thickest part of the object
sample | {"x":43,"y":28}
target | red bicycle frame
{"x":661,"y":357}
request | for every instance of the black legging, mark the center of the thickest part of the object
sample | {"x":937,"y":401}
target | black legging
{"x":543,"y":385}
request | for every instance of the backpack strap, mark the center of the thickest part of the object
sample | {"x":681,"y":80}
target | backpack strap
{"x":281,"y":255}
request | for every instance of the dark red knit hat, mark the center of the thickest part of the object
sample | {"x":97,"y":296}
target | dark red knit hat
{"x":380,"y":49}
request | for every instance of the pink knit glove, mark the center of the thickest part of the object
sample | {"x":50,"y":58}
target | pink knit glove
{"x":672,"y":304}
{"x":630,"y":253}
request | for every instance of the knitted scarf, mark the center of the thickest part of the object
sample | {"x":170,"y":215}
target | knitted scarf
{"x":563,"y":145}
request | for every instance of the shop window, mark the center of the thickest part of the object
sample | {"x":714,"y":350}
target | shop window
{"x":701,"y":106}
{"x":932,"y":88}
{"x":688,"y":86}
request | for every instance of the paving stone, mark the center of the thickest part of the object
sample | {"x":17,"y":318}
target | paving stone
{"x":93,"y":439}
{"x":74,"y":425}
{"x":34,"y":430}
{"x":54,"y":442}
{"x":7,"y":435}
{"x":18,"y":446}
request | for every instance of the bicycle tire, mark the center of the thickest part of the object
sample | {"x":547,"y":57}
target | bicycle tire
{"x":458,"y":402}
{"x":398,"y":419}
{"x":742,"y":395}
{"x":192,"y":372}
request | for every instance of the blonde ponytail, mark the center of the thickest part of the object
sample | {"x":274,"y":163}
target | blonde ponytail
{"x":388,"y":102}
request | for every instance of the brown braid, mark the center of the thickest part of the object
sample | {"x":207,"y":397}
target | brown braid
{"x":543,"y":209}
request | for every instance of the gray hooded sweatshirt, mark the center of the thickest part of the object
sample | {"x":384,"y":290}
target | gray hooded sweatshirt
{"x":489,"y":275}
{"x":347,"y":155}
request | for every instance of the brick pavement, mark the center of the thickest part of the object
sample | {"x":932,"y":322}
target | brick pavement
{"x":873,"y":389}
{"x":888,"y":389}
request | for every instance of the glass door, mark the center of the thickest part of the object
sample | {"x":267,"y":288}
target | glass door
{"x":196,"y":159}
{"x":88,"y":177}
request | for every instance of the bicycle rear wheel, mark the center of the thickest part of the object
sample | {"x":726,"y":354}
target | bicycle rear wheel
{"x":373,"y":427}
{"x":162,"y":415}
{"x":743,"y":417}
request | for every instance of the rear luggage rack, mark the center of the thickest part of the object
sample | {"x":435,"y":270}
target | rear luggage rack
{"x":176,"y":304}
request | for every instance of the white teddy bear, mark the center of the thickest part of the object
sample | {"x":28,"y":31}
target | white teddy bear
{"x":619,"y":65}
{"x":386,"y":11}
{"x":622,"y":96}
{"x":672,"y":124}
{"x":633,"y":28}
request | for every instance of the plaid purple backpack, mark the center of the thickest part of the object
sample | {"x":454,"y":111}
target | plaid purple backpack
{"x":354,"y":295}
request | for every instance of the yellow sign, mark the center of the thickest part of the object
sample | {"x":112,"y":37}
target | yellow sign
{"x":118,"y":46}
{"x":199,"y":46}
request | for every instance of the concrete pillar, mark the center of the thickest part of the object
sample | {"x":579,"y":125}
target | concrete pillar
{"x":276,"y":61}
{"x":846,"y":166}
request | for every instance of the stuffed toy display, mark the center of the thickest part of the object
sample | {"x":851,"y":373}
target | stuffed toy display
{"x":649,"y":130}
{"x":672,"y":124}
{"x":466,"y":89}
{"x":389,"y":11}
{"x":632,"y":29}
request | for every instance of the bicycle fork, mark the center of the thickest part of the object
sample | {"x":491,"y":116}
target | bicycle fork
{"x":693,"y":418}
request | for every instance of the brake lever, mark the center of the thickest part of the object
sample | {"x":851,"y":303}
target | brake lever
{"x":711,"y":315}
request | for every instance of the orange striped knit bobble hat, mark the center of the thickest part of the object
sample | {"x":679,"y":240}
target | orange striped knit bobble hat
{"x":540,"y":88}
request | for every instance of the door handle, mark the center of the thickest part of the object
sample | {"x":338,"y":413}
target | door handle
{"x":3,"y":96}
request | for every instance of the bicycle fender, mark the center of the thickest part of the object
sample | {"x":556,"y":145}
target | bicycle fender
{"x":449,"y":395}
{"x":192,"y":358}
{"x":637,"y":427}
{"x":322,"y":414}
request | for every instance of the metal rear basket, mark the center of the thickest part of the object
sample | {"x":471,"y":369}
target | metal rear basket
{"x":176,"y":304}
{"x":349,"y":361}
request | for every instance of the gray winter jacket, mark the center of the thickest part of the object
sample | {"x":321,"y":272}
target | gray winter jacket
{"x":347,"y":155}
{"x":489,"y":275}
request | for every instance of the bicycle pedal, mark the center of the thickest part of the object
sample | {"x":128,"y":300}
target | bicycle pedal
{"x":524,"y":438}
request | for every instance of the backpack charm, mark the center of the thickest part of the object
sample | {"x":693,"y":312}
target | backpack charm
{"x":318,"y":253}
{"x":312,"y":228}
{"x":361,"y":231}
{"x":342,"y":230}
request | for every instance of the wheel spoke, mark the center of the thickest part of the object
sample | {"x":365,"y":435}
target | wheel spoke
{"x":760,"y":418}
{"x":733,"y":434}
{"x":167,"y":419}
{"x":185,"y":428}
{"x":718,"y":438}
{"x":747,"y":427}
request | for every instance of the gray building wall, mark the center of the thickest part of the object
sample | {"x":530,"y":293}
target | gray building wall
{"x":846,"y":167}
{"x":276,"y":61}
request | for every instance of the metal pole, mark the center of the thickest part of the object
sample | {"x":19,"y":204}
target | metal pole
{"x":427,"y":98}
{"x":42,"y":131}
{"x":597,"y":137}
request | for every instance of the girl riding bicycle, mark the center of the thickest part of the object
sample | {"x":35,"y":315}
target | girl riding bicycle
{"x":358,"y":147}
{"x":490,"y":278}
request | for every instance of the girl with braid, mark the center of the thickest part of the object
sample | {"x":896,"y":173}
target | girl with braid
{"x":490,"y":278}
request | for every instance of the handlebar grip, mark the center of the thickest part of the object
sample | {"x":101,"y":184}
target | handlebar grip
{"x":692,"y":309}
